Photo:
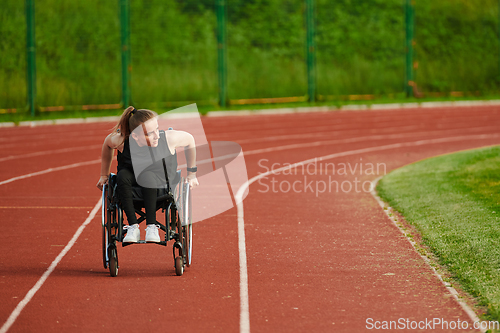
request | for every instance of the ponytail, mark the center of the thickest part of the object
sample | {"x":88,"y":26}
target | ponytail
{"x":131,"y":118}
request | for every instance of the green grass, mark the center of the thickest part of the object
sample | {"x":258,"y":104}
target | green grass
{"x":360,"y":47}
{"x":457,"y":45}
{"x":453,"y":202}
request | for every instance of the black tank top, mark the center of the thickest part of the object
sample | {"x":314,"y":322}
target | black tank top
{"x":125,"y":159}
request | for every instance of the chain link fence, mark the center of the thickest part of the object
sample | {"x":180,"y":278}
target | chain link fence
{"x":173,"y":51}
{"x":361,"y":49}
{"x":162,"y":53}
{"x":13,"y":55}
{"x":465,"y":62}
{"x":77,"y":53}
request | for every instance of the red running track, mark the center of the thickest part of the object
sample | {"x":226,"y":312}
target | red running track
{"x":316,"y":261}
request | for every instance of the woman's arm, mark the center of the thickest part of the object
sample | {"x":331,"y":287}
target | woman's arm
{"x":107,"y":152}
{"x":177,"y":139}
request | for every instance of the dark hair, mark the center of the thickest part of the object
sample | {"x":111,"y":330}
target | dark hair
{"x":131,"y":118}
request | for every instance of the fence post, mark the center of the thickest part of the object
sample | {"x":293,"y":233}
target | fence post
{"x":410,"y":27}
{"x":311,"y":50}
{"x":221,"y":51}
{"x":30,"y":56}
{"x":125,"y":50}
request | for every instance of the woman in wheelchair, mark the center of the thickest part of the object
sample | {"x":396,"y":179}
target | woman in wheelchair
{"x":155,"y":143}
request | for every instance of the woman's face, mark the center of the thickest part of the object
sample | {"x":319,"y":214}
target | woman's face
{"x":147,"y":134}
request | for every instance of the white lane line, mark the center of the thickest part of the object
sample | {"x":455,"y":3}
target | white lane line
{"x":398,"y":129}
{"x":388,"y":211}
{"x":244,"y":309}
{"x":357,"y":139}
{"x":17,"y":311}
{"x":351,"y":140}
{"x":47,"y":152}
{"x":342,"y":131}
{"x":244,"y":303}
{"x":251,"y":152}
{"x":332,"y":142}
{"x":64,"y":167}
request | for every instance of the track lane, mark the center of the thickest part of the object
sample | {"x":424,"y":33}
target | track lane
{"x":145,"y":269}
{"x":147,"y":295}
{"x":50,"y":297}
{"x":36,"y":236}
{"x":361,"y":262}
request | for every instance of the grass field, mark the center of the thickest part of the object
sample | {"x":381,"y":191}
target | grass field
{"x":360,"y":50}
{"x":453,"y":203}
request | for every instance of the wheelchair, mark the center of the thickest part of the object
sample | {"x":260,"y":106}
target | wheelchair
{"x":174,"y":201}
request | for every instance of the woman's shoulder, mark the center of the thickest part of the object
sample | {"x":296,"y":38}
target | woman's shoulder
{"x":179,"y":138}
{"x":114,"y":140}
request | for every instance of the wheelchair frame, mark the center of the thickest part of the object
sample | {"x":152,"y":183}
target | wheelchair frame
{"x":181,"y":233}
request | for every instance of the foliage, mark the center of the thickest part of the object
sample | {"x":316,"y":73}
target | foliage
{"x":360,"y":49}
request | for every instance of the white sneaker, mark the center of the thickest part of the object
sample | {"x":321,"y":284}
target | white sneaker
{"x":152,"y":235}
{"x":133,"y":234}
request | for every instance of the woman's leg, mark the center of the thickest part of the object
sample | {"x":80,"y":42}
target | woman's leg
{"x":125,"y":181}
{"x":149,"y":194}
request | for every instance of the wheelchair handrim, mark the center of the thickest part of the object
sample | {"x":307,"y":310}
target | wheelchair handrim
{"x":187,"y":219}
{"x":103,"y":204}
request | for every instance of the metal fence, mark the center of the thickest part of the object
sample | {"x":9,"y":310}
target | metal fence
{"x":91,"y":54}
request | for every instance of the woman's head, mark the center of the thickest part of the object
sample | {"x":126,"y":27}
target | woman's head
{"x":147,"y":133}
{"x":132,"y":118}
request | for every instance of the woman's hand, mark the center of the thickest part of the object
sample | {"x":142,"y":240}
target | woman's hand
{"x":192,"y":180}
{"x":103,"y":180}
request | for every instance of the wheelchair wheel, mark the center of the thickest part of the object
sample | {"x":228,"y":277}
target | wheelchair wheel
{"x":179,"y":266}
{"x":105,"y":205}
{"x":111,"y":221}
{"x":188,"y":228}
{"x":181,"y":222}
{"x":179,"y":246}
{"x":188,"y":243}
{"x":113,"y":261}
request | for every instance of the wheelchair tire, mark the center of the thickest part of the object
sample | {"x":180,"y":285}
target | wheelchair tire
{"x":104,"y":246}
{"x":189,"y":244}
{"x":179,"y":266}
{"x":113,"y":262}
{"x":104,"y":207}
{"x":188,"y":227}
